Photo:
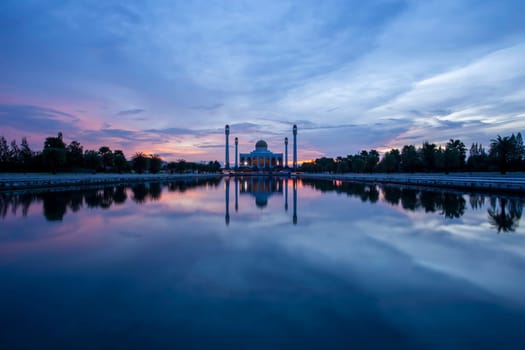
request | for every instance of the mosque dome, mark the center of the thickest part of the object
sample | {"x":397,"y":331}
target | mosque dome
{"x":261,"y":145}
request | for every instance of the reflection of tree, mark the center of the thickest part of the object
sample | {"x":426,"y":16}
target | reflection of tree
{"x":476,"y":201}
{"x":140,"y":192}
{"x":54,"y":206}
{"x":373,"y":194}
{"x":392,"y":194}
{"x":359,"y":190}
{"x":107,"y":197}
{"x":93,"y":198}
{"x":120,"y":196}
{"x":75,"y":201}
{"x":504,"y":214}
{"x":453,"y":205}
{"x":409,"y":199}
{"x":155,"y":191}
{"x":26,"y":199}
{"x":57,"y":203}
{"x":430,"y":200}
{"x":5,"y":202}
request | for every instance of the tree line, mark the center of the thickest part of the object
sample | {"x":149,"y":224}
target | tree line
{"x":505,"y":154}
{"x":57,"y":156}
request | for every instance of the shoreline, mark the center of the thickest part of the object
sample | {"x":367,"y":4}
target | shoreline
{"x":491,"y":182}
{"x":21,"y":181}
{"x":486,"y":182}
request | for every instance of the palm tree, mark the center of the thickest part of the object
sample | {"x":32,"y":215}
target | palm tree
{"x":502,"y":148}
{"x":504,"y":220}
{"x":140,"y":162}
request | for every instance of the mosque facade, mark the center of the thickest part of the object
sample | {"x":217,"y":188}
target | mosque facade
{"x":261,"y":157}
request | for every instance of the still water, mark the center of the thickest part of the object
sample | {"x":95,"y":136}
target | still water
{"x":261,"y":263}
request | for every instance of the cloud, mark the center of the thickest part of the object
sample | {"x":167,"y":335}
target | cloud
{"x":130,"y":112}
{"x":350,"y":74}
{"x":208,"y":145}
{"x":36,"y":119}
{"x":209,"y":107}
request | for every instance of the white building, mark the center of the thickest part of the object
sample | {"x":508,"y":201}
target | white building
{"x":261,"y":157}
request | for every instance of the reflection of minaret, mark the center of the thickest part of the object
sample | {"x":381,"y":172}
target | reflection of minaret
{"x":236,"y":194}
{"x":294,"y":147}
{"x":295,"y":201}
{"x":286,"y":194}
{"x":286,"y":152}
{"x":227,"y":160}
{"x":236,"y":154}
{"x":227,"y":199}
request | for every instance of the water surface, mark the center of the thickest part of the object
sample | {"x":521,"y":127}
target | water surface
{"x":258,"y":263}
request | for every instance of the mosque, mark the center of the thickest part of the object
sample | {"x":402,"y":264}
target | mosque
{"x":261,"y":157}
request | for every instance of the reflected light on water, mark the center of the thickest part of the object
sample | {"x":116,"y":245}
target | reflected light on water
{"x":275,"y":262}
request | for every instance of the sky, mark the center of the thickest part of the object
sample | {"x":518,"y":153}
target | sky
{"x":164,"y":77}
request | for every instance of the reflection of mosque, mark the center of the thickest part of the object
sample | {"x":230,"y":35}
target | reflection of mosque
{"x":261,"y":188}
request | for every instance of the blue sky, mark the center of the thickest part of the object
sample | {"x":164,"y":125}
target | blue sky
{"x":166,"y":76}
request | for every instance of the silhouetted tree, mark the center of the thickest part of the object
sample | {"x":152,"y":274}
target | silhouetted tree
{"x":140,"y":162}
{"x":214,"y":166}
{"x":391,"y":161}
{"x":358,"y":163}
{"x":455,"y":152}
{"x":75,"y":154}
{"x":15,"y":158}
{"x":4,"y":154}
{"x":92,"y":160}
{"x":342,"y":165}
{"x":155,"y":163}
{"x":502,"y":149}
{"x":518,"y":152}
{"x":26,"y":155}
{"x":54,"y":152}
{"x":428,"y":156}
{"x":106,"y":156}
{"x":372,"y":158}
{"x":119,"y":160}
{"x":409,"y":159}
{"x":478,"y":159}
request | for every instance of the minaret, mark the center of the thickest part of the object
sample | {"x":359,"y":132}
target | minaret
{"x":286,"y":152}
{"x":294,"y":147}
{"x":294,"y":219}
{"x":227,"y":200}
{"x":236,"y":152}
{"x":286,"y":194}
{"x":227,"y":160}
{"x":236,"y":194}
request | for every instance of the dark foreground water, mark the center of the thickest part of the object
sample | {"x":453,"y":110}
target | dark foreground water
{"x":261,"y":264}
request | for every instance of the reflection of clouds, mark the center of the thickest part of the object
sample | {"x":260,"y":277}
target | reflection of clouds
{"x":173,"y":263}
{"x":464,"y":248}
{"x":338,"y":233}
{"x":461,"y":251}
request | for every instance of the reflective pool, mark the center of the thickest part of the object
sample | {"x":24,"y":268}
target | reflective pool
{"x":261,"y":263}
